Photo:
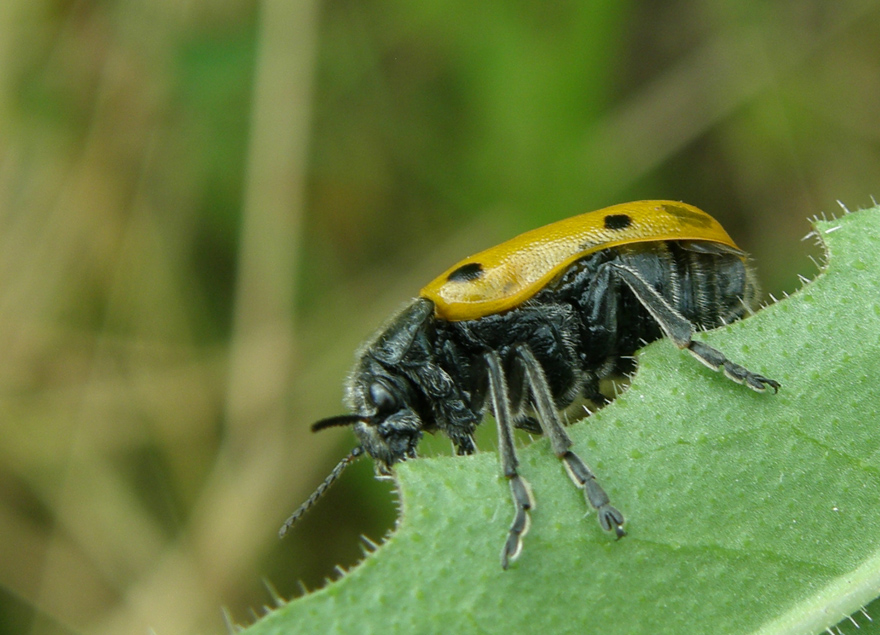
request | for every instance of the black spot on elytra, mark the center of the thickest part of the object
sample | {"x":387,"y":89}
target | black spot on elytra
{"x":617,"y":221}
{"x":686,"y":216}
{"x":466,"y":273}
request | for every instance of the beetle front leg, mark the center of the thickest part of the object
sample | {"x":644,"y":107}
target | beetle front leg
{"x":519,"y":489}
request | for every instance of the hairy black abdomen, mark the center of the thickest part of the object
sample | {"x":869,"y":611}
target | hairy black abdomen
{"x":581,"y":324}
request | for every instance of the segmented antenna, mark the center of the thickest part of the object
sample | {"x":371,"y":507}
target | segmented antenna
{"x":322,"y":488}
{"x":338,"y":421}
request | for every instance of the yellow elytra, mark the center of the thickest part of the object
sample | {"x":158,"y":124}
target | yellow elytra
{"x":505,"y":276}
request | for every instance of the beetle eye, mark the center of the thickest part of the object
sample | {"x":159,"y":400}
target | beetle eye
{"x":383,"y":398}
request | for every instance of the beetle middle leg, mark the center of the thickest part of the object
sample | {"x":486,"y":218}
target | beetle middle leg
{"x":519,"y":489}
{"x":609,"y":517}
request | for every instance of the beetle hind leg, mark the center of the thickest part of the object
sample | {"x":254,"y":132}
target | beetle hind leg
{"x":715,"y":359}
{"x":678,"y":329}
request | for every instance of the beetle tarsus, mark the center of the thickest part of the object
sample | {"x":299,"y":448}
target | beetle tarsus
{"x":609,"y":516}
{"x":716,"y":360}
{"x":523,"y":502}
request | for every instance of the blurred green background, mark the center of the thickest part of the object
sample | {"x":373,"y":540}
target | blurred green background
{"x":205,"y":205}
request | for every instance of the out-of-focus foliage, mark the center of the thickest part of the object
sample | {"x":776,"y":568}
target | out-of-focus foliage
{"x":205,"y":206}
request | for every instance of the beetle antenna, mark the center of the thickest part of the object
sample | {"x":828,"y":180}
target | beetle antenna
{"x":339,"y":420}
{"x":322,"y":488}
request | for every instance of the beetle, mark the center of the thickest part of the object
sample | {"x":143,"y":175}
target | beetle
{"x":523,"y":329}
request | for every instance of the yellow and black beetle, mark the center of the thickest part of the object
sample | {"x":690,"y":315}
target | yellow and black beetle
{"x":523,"y":329}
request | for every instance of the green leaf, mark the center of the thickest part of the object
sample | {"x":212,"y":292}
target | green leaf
{"x":747,"y":513}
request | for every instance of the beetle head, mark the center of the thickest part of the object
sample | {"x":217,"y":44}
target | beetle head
{"x":381,"y":398}
{"x":388,"y":425}
{"x":381,"y":388}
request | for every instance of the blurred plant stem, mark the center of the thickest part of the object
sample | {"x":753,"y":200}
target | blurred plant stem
{"x":244,"y":482}
{"x":262,"y":343}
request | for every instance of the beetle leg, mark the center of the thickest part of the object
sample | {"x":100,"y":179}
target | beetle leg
{"x":715,"y":359}
{"x":609,"y":517}
{"x":680,"y":331}
{"x":519,"y":489}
